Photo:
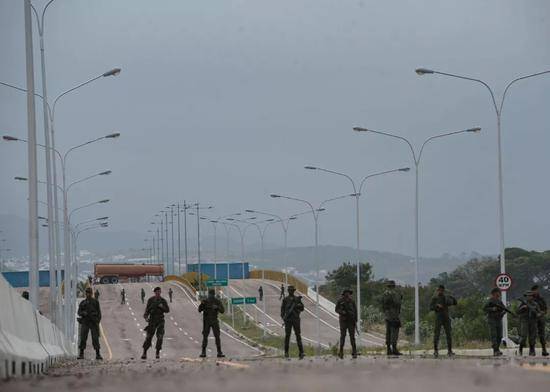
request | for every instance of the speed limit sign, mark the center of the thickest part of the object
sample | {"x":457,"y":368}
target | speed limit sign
{"x":503,"y":282}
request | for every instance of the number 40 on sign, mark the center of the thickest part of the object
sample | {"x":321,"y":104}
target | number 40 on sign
{"x":503,"y":282}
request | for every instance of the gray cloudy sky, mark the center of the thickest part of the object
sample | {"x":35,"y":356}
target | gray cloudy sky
{"x":226,"y":101}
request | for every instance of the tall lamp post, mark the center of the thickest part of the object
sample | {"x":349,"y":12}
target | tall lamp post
{"x":357,"y":194}
{"x":498,"y":111}
{"x":417,"y":156}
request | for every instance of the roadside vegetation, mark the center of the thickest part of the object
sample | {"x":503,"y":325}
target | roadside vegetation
{"x":469,"y":283}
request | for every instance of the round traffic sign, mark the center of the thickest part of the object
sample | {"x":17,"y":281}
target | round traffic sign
{"x":503,"y":282}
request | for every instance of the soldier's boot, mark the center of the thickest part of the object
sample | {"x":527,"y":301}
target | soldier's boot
{"x":395,"y":350}
{"x":144,"y":355}
{"x":520,"y":350}
{"x":80,"y":354}
{"x":157,"y":354}
{"x":220,"y":355}
{"x":532,"y":352}
{"x":98,"y":356}
{"x":544,"y":352}
{"x":497,"y":352}
{"x":287,"y":355}
{"x":450,"y":353}
{"x":301,"y":355}
{"x":389,"y":350}
{"x":341,"y":353}
{"x":203,"y":353}
{"x":436,"y":352}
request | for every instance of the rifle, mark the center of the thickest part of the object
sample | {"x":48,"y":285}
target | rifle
{"x":531,"y":308}
{"x":505,"y":309}
{"x":289,"y":311}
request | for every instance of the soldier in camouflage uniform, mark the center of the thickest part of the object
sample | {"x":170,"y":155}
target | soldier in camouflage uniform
{"x":347,"y":312}
{"x":529,"y":312}
{"x":210,"y":307}
{"x":495,"y":310}
{"x":89,"y":316}
{"x":440,"y":304}
{"x":154,"y":315}
{"x":541,"y":320}
{"x":391,"y":304}
{"x":291,"y":307}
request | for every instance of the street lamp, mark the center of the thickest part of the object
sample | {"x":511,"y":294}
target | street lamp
{"x":357,"y":194}
{"x":416,"y":156}
{"x":498,"y":112}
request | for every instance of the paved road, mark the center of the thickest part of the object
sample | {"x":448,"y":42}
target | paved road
{"x":325,"y":374}
{"x":123,"y":325}
{"x":329,"y":328}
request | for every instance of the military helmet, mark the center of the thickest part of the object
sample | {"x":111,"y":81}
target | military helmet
{"x":347,"y":291}
{"x":156,"y":289}
{"x":291,"y":288}
{"x":88,"y":289}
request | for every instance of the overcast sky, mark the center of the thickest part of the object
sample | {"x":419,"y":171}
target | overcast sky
{"x":226,"y":101}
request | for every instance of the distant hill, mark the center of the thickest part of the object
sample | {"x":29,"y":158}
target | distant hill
{"x":385,"y":264}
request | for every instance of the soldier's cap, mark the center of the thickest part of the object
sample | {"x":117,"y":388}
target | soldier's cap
{"x":347,"y":291}
{"x":390,"y":283}
{"x":156,"y":289}
{"x":495,"y":290}
{"x":291,"y":288}
{"x":88,"y":289}
{"x":535,"y":287}
{"x":441,"y":287}
{"x":211,"y":291}
{"x":528,"y":294}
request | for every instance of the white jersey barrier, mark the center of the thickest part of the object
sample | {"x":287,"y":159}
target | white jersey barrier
{"x":29,"y":342}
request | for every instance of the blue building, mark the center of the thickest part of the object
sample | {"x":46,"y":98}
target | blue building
{"x":219,"y":270}
{"x":21,"y":278}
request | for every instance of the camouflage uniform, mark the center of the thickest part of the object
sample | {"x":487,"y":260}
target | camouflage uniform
{"x":154,"y":314}
{"x":541,"y":322}
{"x":494,"y":308}
{"x":89,"y":316}
{"x":528,"y":311}
{"x":391,"y":304}
{"x":347,"y":312}
{"x":291,"y":307}
{"x":440,"y":305}
{"x":210,"y":307}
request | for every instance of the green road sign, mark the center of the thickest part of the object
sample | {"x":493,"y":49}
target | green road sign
{"x":241,"y":300}
{"x":216,"y":282}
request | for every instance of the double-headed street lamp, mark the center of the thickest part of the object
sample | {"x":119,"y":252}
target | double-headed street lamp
{"x":498,"y":111}
{"x":417,"y":156}
{"x":315,"y":214}
{"x":357,"y":194}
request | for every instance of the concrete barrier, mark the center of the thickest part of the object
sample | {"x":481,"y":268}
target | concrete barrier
{"x":29,"y":342}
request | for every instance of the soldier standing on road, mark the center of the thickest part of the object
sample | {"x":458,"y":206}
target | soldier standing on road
{"x":122,"y":297}
{"x":541,"y":320}
{"x":142,"y":295}
{"x":347,"y":312}
{"x":529,"y":312}
{"x":261,"y":293}
{"x":170,"y":293}
{"x":89,"y":316}
{"x":154,"y":315}
{"x":210,"y":307}
{"x":495,"y":310}
{"x":391,"y":305}
{"x":96,"y":294}
{"x":291,"y":307}
{"x":282,"y":295}
{"x":440,"y":304}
